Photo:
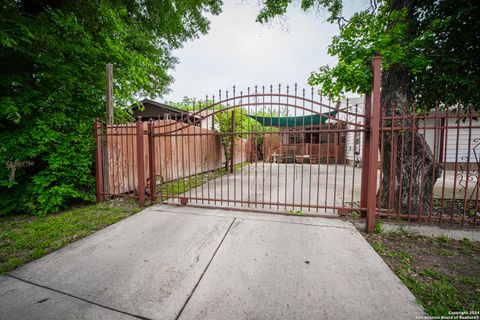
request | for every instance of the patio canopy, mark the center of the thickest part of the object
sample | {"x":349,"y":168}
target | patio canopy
{"x":310,"y":120}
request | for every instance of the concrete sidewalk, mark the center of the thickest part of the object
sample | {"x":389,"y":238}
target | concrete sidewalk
{"x":190,"y":263}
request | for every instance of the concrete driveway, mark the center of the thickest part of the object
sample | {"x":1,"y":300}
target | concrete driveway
{"x":315,"y":185}
{"x":190,"y":263}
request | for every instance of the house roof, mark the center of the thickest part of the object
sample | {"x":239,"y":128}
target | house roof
{"x":160,"y":106}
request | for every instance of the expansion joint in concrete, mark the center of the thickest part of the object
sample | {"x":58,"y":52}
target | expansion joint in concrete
{"x":206,"y":268}
{"x":78,"y":298}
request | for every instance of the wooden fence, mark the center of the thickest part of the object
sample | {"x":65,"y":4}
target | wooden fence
{"x":181,"y":150}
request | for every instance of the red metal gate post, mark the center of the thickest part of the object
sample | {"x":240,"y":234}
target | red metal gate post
{"x":97,"y":127}
{"x":151,"y":162}
{"x":140,"y":163}
{"x":366,"y":154}
{"x":375,"y":134}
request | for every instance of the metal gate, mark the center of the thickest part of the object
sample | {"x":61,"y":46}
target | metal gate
{"x":267,"y":148}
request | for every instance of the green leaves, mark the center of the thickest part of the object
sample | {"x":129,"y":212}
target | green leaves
{"x":437,"y":42}
{"x":53,"y":85}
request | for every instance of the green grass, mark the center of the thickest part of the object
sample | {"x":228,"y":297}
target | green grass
{"x":442,"y":286}
{"x":24,"y":238}
{"x":180,"y":186}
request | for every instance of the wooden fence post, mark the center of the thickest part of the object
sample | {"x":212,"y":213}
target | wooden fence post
{"x":109,"y":71}
{"x":140,"y":163}
{"x":97,"y":127}
{"x":151,"y":164}
{"x":375,"y":134}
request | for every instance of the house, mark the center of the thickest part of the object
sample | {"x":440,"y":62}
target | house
{"x":453,"y":137}
{"x":290,"y":141}
{"x":152,"y":110}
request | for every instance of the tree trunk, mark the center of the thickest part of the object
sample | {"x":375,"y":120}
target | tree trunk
{"x":408,"y":173}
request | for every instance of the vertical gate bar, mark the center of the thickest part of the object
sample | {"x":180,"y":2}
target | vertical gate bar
{"x":380,"y":165}
{"x":304,"y":148}
{"x":435,"y":160}
{"x":254,"y":144}
{"x":200,"y":143}
{"x":288,"y":139}
{"x":366,"y":153}
{"x":400,"y":167}
{"x":215,"y":137}
{"x":443,"y":141}
{"x":457,"y":143}
{"x":422,"y":174}
{"x":270,"y":146}
{"x":336,"y":141}
{"x":355,"y":120}
{"x":151,"y":158}
{"x":320,"y":132}
{"x":328,"y":154}
{"x":468,"y":165}
{"x":372,"y":184}
{"x":124,"y":156}
{"x":232,"y":146}
{"x":393,"y":164}
{"x":140,"y":164}
{"x":295,"y":135}
{"x":311,"y":149}
{"x":98,"y":159}
{"x":347,"y":127}
{"x":413,"y":120}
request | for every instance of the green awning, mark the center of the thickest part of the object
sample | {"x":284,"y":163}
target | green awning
{"x":309,"y":120}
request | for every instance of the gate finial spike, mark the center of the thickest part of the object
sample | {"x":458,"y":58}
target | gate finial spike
{"x":288,"y":88}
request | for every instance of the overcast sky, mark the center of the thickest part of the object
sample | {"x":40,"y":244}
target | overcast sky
{"x":239,"y":51}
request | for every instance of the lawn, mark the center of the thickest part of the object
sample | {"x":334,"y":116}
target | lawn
{"x":442,"y":273}
{"x":24,"y":238}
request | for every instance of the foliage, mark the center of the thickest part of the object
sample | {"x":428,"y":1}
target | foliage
{"x":438,"y":44}
{"x":24,"y":238}
{"x":52,"y":57}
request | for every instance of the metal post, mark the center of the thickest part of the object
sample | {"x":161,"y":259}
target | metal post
{"x":366,"y":154}
{"x":109,"y":69}
{"x":151,"y":159}
{"x":232,"y":150}
{"x":140,"y":164}
{"x":97,"y":127}
{"x":375,"y":133}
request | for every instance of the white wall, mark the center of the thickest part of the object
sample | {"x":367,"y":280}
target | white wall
{"x":464,"y":135}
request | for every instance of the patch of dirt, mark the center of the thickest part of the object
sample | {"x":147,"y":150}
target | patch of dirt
{"x":430,"y":260}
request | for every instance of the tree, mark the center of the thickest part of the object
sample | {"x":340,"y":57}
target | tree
{"x":52,"y":57}
{"x":228,"y":128}
{"x":429,"y":55}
